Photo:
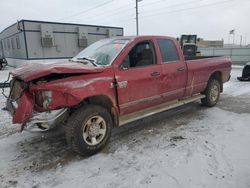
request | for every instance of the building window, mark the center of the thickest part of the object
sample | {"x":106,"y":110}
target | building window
{"x":8,"y":43}
{"x":17,"y":42}
{"x":168,"y":50}
{"x":12,"y":44}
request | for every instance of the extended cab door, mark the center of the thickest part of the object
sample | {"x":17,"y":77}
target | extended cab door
{"x":137,"y":78}
{"x":174,"y":70}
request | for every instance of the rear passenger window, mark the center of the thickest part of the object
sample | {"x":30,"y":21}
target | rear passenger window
{"x":168,"y":50}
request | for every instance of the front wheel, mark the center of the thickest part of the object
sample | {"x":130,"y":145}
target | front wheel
{"x":88,"y":130}
{"x":212,"y":93}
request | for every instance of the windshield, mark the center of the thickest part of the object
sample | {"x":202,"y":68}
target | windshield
{"x":102,"y":52}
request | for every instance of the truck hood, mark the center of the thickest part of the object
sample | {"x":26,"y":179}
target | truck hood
{"x":37,"y":70}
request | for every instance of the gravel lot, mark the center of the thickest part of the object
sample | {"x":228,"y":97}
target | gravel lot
{"x":191,"y":146}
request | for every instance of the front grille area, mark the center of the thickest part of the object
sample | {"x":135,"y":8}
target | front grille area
{"x":16,"y":90}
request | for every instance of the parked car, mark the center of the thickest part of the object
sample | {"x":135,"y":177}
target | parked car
{"x":3,"y":62}
{"x":245,"y":73}
{"x":111,"y":83}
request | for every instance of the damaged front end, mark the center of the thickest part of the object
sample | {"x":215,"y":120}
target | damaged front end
{"x":22,"y":105}
{"x":41,"y":93}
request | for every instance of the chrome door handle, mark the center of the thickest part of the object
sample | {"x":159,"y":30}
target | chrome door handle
{"x":155,"y":73}
{"x":180,"y":69}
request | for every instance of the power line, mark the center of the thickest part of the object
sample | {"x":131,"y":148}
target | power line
{"x":174,"y":11}
{"x":180,"y":4}
{"x":107,"y":14}
{"x":149,"y":15}
{"x":155,"y":2}
{"x":180,"y":10}
{"x":175,"y":5}
{"x":87,"y":10}
{"x":94,"y":17}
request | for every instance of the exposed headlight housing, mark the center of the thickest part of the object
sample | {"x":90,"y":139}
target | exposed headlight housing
{"x":44,"y":98}
{"x":47,"y":98}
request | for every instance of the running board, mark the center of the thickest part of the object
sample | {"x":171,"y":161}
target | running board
{"x":157,"y":109}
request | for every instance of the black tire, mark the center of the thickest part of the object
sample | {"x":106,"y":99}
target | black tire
{"x":1,"y":66}
{"x":212,"y":93}
{"x":77,"y":125}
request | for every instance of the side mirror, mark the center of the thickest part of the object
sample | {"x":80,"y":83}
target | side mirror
{"x":177,"y":38}
{"x":125,"y":63}
{"x":122,"y":67}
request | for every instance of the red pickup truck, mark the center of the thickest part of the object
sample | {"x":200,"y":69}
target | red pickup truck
{"x":110,"y":83}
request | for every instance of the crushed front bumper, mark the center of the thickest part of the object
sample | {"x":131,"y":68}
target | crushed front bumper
{"x":21,"y":109}
{"x":23,"y":113}
{"x":47,"y":120}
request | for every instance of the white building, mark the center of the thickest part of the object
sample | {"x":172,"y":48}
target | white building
{"x":31,"y":41}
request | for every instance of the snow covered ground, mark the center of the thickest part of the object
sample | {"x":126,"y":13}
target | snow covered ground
{"x":191,"y":146}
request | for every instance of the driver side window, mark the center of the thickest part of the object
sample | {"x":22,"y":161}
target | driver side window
{"x":142,"y":54}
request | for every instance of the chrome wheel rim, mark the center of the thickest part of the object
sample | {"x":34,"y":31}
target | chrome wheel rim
{"x":94,"y":130}
{"x":214,"y":93}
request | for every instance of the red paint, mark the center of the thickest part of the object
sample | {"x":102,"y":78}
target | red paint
{"x":37,"y":70}
{"x":142,"y":90}
{"x":25,"y":109}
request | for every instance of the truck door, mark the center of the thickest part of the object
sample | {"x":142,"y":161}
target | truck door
{"x":137,"y":78}
{"x":174,"y":70}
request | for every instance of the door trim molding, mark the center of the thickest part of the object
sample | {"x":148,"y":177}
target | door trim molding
{"x":133,"y":103}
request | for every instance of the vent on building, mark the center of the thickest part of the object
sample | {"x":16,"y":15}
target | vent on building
{"x":110,"y":33}
{"x":82,"y":37}
{"x":47,"y":42}
{"x":83,"y":42}
{"x":47,"y":39}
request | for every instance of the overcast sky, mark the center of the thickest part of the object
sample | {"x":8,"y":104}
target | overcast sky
{"x":210,"y":19}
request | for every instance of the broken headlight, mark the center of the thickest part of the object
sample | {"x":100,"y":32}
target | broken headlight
{"x":43,"y":98}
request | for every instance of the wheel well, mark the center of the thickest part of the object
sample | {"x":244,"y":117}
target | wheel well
{"x":217,"y":76}
{"x":105,"y":102}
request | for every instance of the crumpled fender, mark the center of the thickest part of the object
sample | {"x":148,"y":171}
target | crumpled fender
{"x":24,"y":110}
{"x":71,"y":91}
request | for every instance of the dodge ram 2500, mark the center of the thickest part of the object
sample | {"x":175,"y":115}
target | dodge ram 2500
{"x":110,"y":83}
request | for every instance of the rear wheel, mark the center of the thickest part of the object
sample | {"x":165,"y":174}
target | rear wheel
{"x":88,"y":129}
{"x":212,"y":93}
{"x":1,"y":66}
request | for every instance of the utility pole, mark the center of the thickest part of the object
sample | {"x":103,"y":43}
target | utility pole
{"x":245,"y":38}
{"x":136,"y":11}
{"x":232,"y":32}
{"x":240,"y":40}
{"x":233,"y":37}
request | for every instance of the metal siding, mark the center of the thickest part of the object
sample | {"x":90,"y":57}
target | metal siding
{"x":13,"y":32}
{"x":65,"y":39}
{"x":238,"y":55}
